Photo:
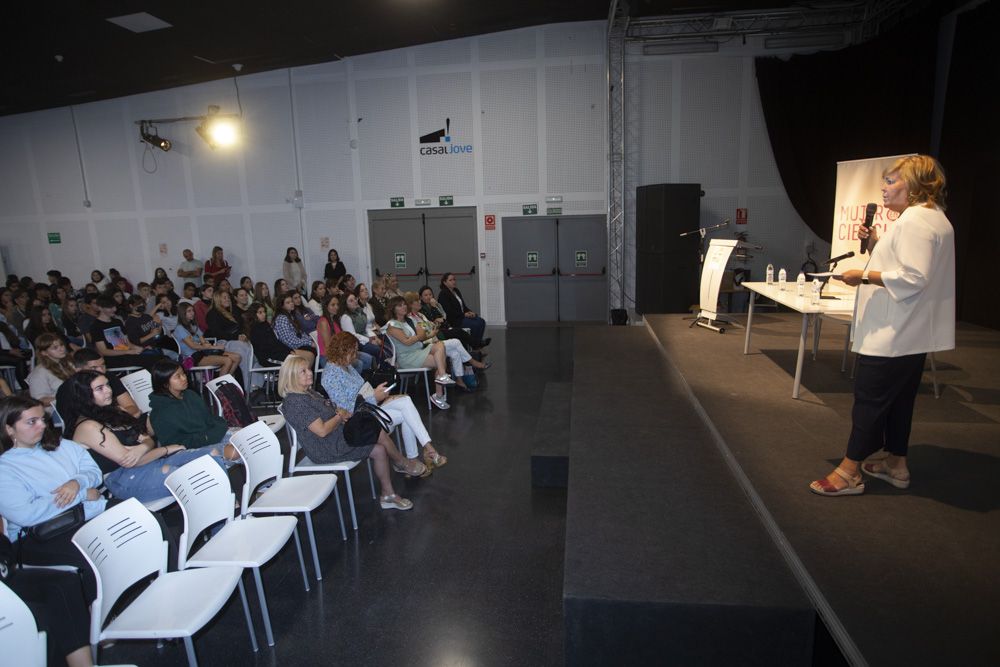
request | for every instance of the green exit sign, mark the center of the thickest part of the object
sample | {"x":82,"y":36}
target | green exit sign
{"x":553,"y":210}
{"x":446,"y":200}
{"x":529,"y":209}
{"x":397,"y":202}
{"x":55,"y":238}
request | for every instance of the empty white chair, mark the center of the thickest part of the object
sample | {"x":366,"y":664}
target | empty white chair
{"x":307,"y":465}
{"x":202,"y":490}
{"x":124,"y":545}
{"x":270,"y":374}
{"x":20,"y":641}
{"x":274,"y":422}
{"x":261,"y":454}
{"x":139,"y":385}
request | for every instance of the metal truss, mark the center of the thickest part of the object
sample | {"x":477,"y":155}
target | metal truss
{"x":618,"y":23}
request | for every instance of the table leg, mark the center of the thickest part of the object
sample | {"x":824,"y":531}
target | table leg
{"x":802,"y":353}
{"x":817,"y":325}
{"x":746,"y":338}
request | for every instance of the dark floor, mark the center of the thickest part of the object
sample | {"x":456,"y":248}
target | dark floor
{"x":471,"y":576}
{"x":911,"y":575}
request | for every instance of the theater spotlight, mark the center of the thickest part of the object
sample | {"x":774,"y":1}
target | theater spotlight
{"x":148,"y":133}
{"x":218,"y":131}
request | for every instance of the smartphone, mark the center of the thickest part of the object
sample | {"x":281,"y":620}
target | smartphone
{"x":390,"y":387}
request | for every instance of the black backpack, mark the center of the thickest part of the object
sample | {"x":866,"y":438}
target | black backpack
{"x":235,"y":409}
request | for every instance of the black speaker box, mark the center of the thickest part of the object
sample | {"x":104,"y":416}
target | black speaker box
{"x":666,"y":265}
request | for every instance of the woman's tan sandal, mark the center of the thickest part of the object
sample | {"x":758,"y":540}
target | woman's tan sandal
{"x":824,"y":487}
{"x":879,"y":470}
{"x":435,"y":460}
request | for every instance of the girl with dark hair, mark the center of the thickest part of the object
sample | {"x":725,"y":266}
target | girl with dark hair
{"x":180,"y":415}
{"x":305,"y":316}
{"x":11,"y":353}
{"x":134,"y":465}
{"x":42,"y":475}
{"x":281,"y":286}
{"x":316,"y":297}
{"x":40,"y":322}
{"x":160,"y":275}
{"x":416,"y":349}
{"x":192,"y":343}
{"x":335,"y":269}
{"x":289,"y":331}
{"x":71,"y":323}
{"x":246,"y":282}
{"x":266,"y":347}
{"x":354,"y":321}
{"x":294,"y":270}
{"x":262,"y":295}
{"x":347,"y":283}
{"x":458,"y":312}
{"x":228,"y":331}
{"x":99,"y":280}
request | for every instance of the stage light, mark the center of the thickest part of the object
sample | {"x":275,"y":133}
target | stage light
{"x":149,"y":134}
{"x":218,"y":132}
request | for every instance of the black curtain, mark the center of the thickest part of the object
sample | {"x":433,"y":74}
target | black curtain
{"x":970,"y":153}
{"x":864,"y":101}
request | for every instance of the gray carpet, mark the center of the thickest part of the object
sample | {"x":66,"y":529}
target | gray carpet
{"x":913,"y":574}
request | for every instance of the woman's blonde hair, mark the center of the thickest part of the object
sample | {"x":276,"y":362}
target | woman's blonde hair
{"x":340,"y":347}
{"x":286,"y":374}
{"x":217,"y":305}
{"x":410,"y":297}
{"x":924,"y":178}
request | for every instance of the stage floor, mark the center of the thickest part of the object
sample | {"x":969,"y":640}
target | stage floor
{"x":911,"y":575}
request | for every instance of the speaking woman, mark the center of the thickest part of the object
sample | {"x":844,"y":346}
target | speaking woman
{"x":905,"y":309}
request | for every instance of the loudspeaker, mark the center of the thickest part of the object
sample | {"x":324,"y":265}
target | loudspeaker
{"x":666,"y":265}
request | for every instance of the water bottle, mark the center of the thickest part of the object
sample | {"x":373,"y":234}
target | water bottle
{"x":782,"y":278}
{"x":800,"y":285}
{"x":817,"y":286}
{"x":770,"y":274}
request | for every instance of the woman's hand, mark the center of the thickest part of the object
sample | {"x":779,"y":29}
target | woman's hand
{"x":173,"y":449}
{"x":851,"y":277}
{"x":133,"y":455}
{"x":469,"y":313}
{"x":381,"y":393}
{"x":343,"y":414}
{"x":93,"y":494}
{"x":243,"y":338}
{"x":868,"y":233}
{"x":65,"y":494}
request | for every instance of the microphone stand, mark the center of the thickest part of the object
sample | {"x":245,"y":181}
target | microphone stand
{"x":701,"y":231}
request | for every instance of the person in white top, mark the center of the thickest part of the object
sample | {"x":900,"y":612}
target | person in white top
{"x":905,"y":309}
{"x":294,"y":271}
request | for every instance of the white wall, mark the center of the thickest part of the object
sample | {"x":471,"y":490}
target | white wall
{"x":531,"y":103}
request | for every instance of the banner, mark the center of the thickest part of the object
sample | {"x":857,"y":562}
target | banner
{"x":859,"y":182}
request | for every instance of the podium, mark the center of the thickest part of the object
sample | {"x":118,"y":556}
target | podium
{"x":716,"y":259}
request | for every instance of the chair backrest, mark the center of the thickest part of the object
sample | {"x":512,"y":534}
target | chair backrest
{"x":392,"y":346}
{"x":261,"y":454}
{"x":213,"y":386}
{"x":202,"y":490}
{"x":123,"y":545}
{"x":20,"y":641}
{"x":139,"y":386}
{"x":314,"y":335}
{"x":293,"y":442}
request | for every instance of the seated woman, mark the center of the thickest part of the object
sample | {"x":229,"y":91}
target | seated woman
{"x":262,"y":295}
{"x":304,"y":315}
{"x":453,"y":348}
{"x":316,"y":297}
{"x":354,"y":321}
{"x":52,"y":368}
{"x":458,"y":312}
{"x":108,"y":334}
{"x":266,"y":347}
{"x":40,"y":322}
{"x":42,"y":475}
{"x":280,"y":287}
{"x":416,"y":349}
{"x":328,"y":326}
{"x":241,"y":301}
{"x":319,"y":426}
{"x":70,"y":322}
{"x":193,"y":344}
{"x":347,"y":284}
{"x":223,"y":326}
{"x":343,"y":384}
{"x":364,"y":305}
{"x":378,"y":302}
{"x":11,"y":353}
{"x":289,"y":331}
{"x":86,"y":359}
{"x":179,"y":415}
{"x":433,"y":311}
{"x":133,"y":464}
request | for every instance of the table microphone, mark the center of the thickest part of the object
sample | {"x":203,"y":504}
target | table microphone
{"x":834,"y":260}
{"x":869,"y":216}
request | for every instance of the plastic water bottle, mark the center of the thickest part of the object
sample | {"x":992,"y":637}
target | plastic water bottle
{"x":770,"y":274}
{"x":782,"y":279}
{"x":817,"y":286}
{"x":800,"y":285}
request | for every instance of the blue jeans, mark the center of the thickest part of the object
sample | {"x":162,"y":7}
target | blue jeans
{"x":476,"y":326}
{"x":145,"y":482}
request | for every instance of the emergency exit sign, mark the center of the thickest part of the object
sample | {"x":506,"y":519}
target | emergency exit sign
{"x":446,"y":200}
{"x":55,"y":238}
{"x":397,"y":202}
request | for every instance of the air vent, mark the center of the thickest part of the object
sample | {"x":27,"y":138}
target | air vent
{"x":141,"y":22}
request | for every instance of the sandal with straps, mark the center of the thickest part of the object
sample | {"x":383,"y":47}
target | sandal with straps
{"x":413,"y":468}
{"x":437,"y":460}
{"x":824,"y":487}
{"x":879,"y":470}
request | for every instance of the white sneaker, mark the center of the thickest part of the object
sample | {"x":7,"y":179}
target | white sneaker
{"x":439,"y":402}
{"x":444,"y":380}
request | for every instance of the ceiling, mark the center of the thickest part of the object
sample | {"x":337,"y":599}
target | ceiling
{"x":63,"y":53}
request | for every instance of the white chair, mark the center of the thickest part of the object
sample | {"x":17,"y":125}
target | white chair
{"x":202,"y":490}
{"x":20,"y":641}
{"x":406,"y":373}
{"x":314,"y":335}
{"x":261,"y":454}
{"x":274,"y":422}
{"x":270,"y":374}
{"x":123,"y":546}
{"x":207,"y":372}
{"x":139,"y":385}
{"x":307,"y":465}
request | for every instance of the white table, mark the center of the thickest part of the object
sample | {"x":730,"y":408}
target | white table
{"x":843,"y":305}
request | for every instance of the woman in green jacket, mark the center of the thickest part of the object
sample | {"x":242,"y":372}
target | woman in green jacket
{"x":179,"y":414}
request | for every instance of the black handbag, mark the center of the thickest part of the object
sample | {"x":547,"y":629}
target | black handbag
{"x":59,"y":525}
{"x":382,"y":373}
{"x":366,"y":424}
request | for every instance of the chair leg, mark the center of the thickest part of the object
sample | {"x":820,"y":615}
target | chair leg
{"x":312,"y":544}
{"x":298,"y":551}
{"x":263,"y":606}
{"x":246,"y":612}
{"x":340,"y":513}
{"x":371,"y":478}
{"x":350,"y":499}
{"x":189,"y":647}
{"x":427,"y":388}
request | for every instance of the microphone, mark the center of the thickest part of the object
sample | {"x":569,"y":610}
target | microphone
{"x":724,"y":222}
{"x":869,"y":216}
{"x":834,"y":260}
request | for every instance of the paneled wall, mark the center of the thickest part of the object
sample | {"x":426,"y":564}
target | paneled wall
{"x":530,"y":103}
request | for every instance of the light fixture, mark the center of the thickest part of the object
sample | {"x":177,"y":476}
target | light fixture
{"x":678,"y":47}
{"x":218,"y":130}
{"x":149,"y":134}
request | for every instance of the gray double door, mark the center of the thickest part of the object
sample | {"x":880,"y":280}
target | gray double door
{"x":555,"y":268}
{"x":419,"y":246}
